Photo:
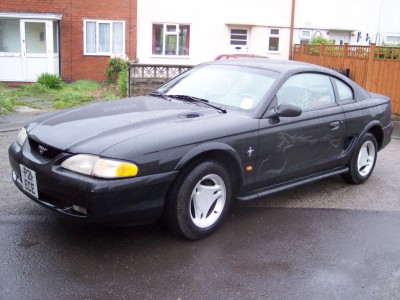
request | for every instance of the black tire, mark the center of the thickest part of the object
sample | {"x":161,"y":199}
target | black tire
{"x":212,"y":183}
{"x":361,"y":168}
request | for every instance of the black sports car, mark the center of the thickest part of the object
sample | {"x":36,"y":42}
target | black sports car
{"x":226,"y":129}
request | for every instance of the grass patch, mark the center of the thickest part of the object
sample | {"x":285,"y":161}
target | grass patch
{"x":6,"y":103}
{"x":66,"y":95}
{"x":84,"y":85}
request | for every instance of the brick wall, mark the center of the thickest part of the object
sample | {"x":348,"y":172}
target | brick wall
{"x":74,"y":64}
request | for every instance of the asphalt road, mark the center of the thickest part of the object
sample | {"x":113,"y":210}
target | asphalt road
{"x":327,"y":240}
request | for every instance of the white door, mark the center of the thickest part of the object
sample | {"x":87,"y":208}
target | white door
{"x":37,"y":48}
{"x":239,"y":40}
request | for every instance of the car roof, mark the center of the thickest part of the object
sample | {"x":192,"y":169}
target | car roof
{"x":238,"y":55}
{"x":289,"y":67}
{"x":280,"y":66}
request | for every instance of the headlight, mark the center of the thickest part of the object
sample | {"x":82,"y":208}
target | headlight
{"x":22,"y":137}
{"x":93,"y":165}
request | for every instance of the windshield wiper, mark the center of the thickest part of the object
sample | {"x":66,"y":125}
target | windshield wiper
{"x":198,"y":100}
{"x":159,"y":94}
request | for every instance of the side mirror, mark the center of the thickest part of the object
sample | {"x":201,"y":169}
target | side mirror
{"x":284,"y":110}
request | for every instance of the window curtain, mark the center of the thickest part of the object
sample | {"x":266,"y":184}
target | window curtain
{"x":104,"y":37}
{"x":118,"y":38}
{"x":184,"y":39}
{"x":91,"y":37}
{"x":158,"y":39}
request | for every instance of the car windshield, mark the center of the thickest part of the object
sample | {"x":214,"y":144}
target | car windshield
{"x":228,"y":85}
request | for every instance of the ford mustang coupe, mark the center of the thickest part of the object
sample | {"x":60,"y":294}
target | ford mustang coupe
{"x":232,"y":129}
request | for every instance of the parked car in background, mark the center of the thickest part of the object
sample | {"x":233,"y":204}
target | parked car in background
{"x":238,"y":55}
{"x":240,"y":128}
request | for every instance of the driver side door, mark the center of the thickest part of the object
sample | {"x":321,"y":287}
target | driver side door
{"x":295,"y":147}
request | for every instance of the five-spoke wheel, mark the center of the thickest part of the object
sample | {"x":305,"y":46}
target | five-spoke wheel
{"x":207,"y":201}
{"x":366,"y":158}
{"x":363,"y":161}
{"x":198,"y":200}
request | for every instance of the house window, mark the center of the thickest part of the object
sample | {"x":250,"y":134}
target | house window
{"x":171,"y":39}
{"x":305,"y":36}
{"x":273,"y":40}
{"x":392,"y":39}
{"x":239,"y":37}
{"x":10,"y":39}
{"x":104,"y":37}
{"x":55,"y":37}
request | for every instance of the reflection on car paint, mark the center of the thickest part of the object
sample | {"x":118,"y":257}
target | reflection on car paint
{"x":276,"y":163}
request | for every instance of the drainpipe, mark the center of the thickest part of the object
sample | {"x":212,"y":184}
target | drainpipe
{"x":291,"y":30}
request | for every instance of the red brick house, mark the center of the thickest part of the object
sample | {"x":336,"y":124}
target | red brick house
{"x":67,"y":37}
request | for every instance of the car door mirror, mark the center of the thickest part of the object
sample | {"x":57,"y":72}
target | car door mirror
{"x":284,"y":110}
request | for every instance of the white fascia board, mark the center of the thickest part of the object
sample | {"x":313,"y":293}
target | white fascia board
{"x":328,"y":28}
{"x":41,"y":16}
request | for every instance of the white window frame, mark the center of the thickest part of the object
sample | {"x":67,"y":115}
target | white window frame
{"x":174,"y":33}
{"x":305,"y":37}
{"x":233,"y":40}
{"x":391,"y":35}
{"x":274,"y":35}
{"x":98,"y":53}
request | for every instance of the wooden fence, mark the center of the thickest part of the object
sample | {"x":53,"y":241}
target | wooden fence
{"x":375,"y":68}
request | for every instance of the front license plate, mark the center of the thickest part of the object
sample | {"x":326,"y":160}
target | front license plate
{"x":28,"y":178}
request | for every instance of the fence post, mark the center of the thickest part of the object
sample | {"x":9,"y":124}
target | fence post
{"x":346,"y":50}
{"x":368,"y":83}
{"x":303,"y":49}
{"x":129,"y":80}
{"x":321,"y":54}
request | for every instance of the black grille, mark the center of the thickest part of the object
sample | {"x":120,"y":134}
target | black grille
{"x":43,"y":150}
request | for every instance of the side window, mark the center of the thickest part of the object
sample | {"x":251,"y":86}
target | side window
{"x":273,"y":40}
{"x":104,"y":37}
{"x":307,"y":90}
{"x":344,"y":91}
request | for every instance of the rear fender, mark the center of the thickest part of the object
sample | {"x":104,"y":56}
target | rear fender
{"x":378,"y":135}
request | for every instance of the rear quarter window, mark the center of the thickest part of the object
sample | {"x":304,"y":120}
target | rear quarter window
{"x":345,"y":92}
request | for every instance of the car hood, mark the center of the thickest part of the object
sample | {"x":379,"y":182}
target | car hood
{"x":105,"y":124}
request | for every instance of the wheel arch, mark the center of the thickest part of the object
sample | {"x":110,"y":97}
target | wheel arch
{"x":219,"y":152}
{"x":377,"y":132}
{"x":375,"y":128}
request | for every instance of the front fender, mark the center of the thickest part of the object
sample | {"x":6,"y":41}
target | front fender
{"x":210,"y":148}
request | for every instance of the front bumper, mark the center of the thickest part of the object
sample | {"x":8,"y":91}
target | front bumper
{"x":132,"y":200}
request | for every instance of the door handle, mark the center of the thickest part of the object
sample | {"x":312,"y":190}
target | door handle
{"x":335,"y":124}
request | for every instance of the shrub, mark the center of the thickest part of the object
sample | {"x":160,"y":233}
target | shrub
{"x":51,"y":81}
{"x":316,"y":42}
{"x":122,"y":83}
{"x":114,"y":67}
{"x":6,"y":103}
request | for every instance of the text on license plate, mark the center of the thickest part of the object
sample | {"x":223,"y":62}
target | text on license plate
{"x":28,"y":178}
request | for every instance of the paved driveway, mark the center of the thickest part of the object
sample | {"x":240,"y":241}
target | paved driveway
{"x":328,"y":240}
